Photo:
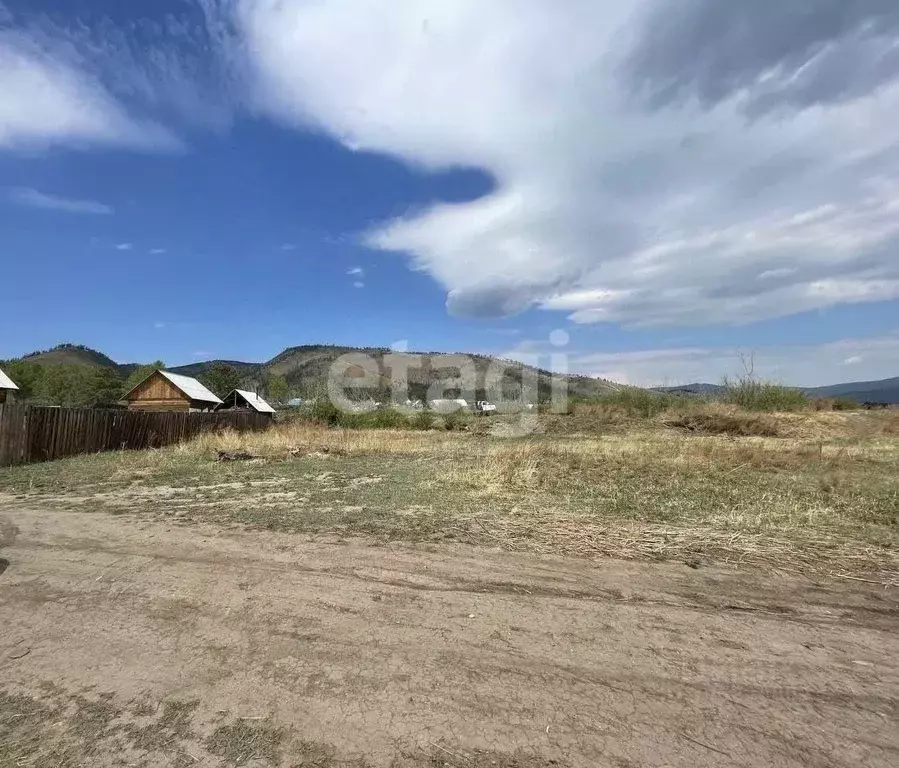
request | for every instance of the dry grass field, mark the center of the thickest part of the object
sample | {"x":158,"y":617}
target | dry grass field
{"x":789,"y":491}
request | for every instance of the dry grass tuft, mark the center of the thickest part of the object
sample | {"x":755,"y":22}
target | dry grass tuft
{"x":244,"y":741}
{"x":285,"y":440}
{"x":722,"y":422}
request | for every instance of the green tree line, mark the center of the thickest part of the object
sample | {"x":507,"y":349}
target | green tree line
{"x":65,"y":385}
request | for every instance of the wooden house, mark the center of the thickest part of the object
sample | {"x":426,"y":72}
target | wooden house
{"x":165,"y":391}
{"x":7,"y":385}
{"x":240,"y":399}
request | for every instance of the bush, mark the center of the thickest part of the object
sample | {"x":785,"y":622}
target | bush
{"x":753,"y":395}
{"x":388,"y":418}
{"x":325,"y":412}
{"x":423,"y":420}
{"x":453,"y":420}
{"x":642,"y":403}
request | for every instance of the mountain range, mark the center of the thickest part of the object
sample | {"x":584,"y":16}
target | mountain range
{"x":884,"y":391}
{"x":306,"y":368}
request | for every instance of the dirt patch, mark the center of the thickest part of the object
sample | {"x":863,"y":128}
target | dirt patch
{"x":172,"y":646}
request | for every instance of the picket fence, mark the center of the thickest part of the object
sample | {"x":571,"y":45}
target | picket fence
{"x":32,"y":433}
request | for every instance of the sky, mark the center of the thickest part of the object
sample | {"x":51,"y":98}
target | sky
{"x":653,"y":190}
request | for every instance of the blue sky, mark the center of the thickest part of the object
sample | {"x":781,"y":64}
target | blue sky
{"x":224,"y":178}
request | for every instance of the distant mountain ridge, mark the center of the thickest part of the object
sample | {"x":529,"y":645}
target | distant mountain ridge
{"x":883,"y":391}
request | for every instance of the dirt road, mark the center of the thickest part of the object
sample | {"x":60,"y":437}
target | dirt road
{"x":130,"y":641}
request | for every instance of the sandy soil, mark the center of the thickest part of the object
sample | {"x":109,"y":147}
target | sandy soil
{"x":128,"y":641}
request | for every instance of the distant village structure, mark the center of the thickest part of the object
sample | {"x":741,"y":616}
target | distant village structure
{"x":7,"y":386}
{"x":165,"y":391}
{"x":241,"y":399}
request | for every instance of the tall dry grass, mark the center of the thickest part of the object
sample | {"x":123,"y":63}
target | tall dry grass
{"x":298,"y":437}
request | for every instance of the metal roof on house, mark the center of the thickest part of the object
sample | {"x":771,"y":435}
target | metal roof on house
{"x":191,"y":387}
{"x":6,"y":382}
{"x":255,"y":402}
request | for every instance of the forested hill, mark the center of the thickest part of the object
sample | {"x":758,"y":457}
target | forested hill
{"x":73,"y":374}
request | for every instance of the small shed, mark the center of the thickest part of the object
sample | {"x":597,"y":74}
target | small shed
{"x":242,"y":399}
{"x":7,"y":385}
{"x":166,"y":391}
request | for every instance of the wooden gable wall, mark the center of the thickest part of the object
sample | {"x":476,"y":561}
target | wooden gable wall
{"x":157,"y":393}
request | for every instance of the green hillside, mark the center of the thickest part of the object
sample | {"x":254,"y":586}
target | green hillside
{"x":299,"y":371}
{"x":305,"y":369}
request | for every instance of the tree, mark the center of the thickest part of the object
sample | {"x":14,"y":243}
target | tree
{"x":67,"y":385}
{"x":142,"y":372}
{"x":221,"y":378}
{"x":28,"y":377}
{"x":278,"y":389}
{"x":104,"y":387}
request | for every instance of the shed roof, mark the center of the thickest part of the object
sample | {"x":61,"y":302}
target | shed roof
{"x":6,"y":382}
{"x":254,"y":401}
{"x":191,"y":387}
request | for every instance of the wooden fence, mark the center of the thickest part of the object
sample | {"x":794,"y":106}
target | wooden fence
{"x":30,"y":433}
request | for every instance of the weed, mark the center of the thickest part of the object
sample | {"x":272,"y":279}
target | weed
{"x":423,"y":420}
{"x":752,"y":394}
{"x":238,"y":743}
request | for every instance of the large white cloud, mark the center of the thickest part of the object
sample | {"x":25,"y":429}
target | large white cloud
{"x":759,"y":194}
{"x":696,"y":162}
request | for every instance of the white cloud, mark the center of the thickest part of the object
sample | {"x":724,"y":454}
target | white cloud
{"x":159,"y":324}
{"x":355,"y":271}
{"x":358,"y":284}
{"x":654,"y":169}
{"x":124,"y":246}
{"x":800,"y":365}
{"x":157,"y":251}
{"x":36,"y":199}
{"x":606,"y":206}
{"x":48,"y":99}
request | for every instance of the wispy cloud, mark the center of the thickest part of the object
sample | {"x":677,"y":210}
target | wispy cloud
{"x":810,"y":365}
{"x":124,"y":246}
{"x":356,"y":272}
{"x":358,"y":284}
{"x":157,"y":251}
{"x":37,"y":199}
{"x":288,"y":247}
{"x":160,"y":324}
{"x":49,"y":97}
